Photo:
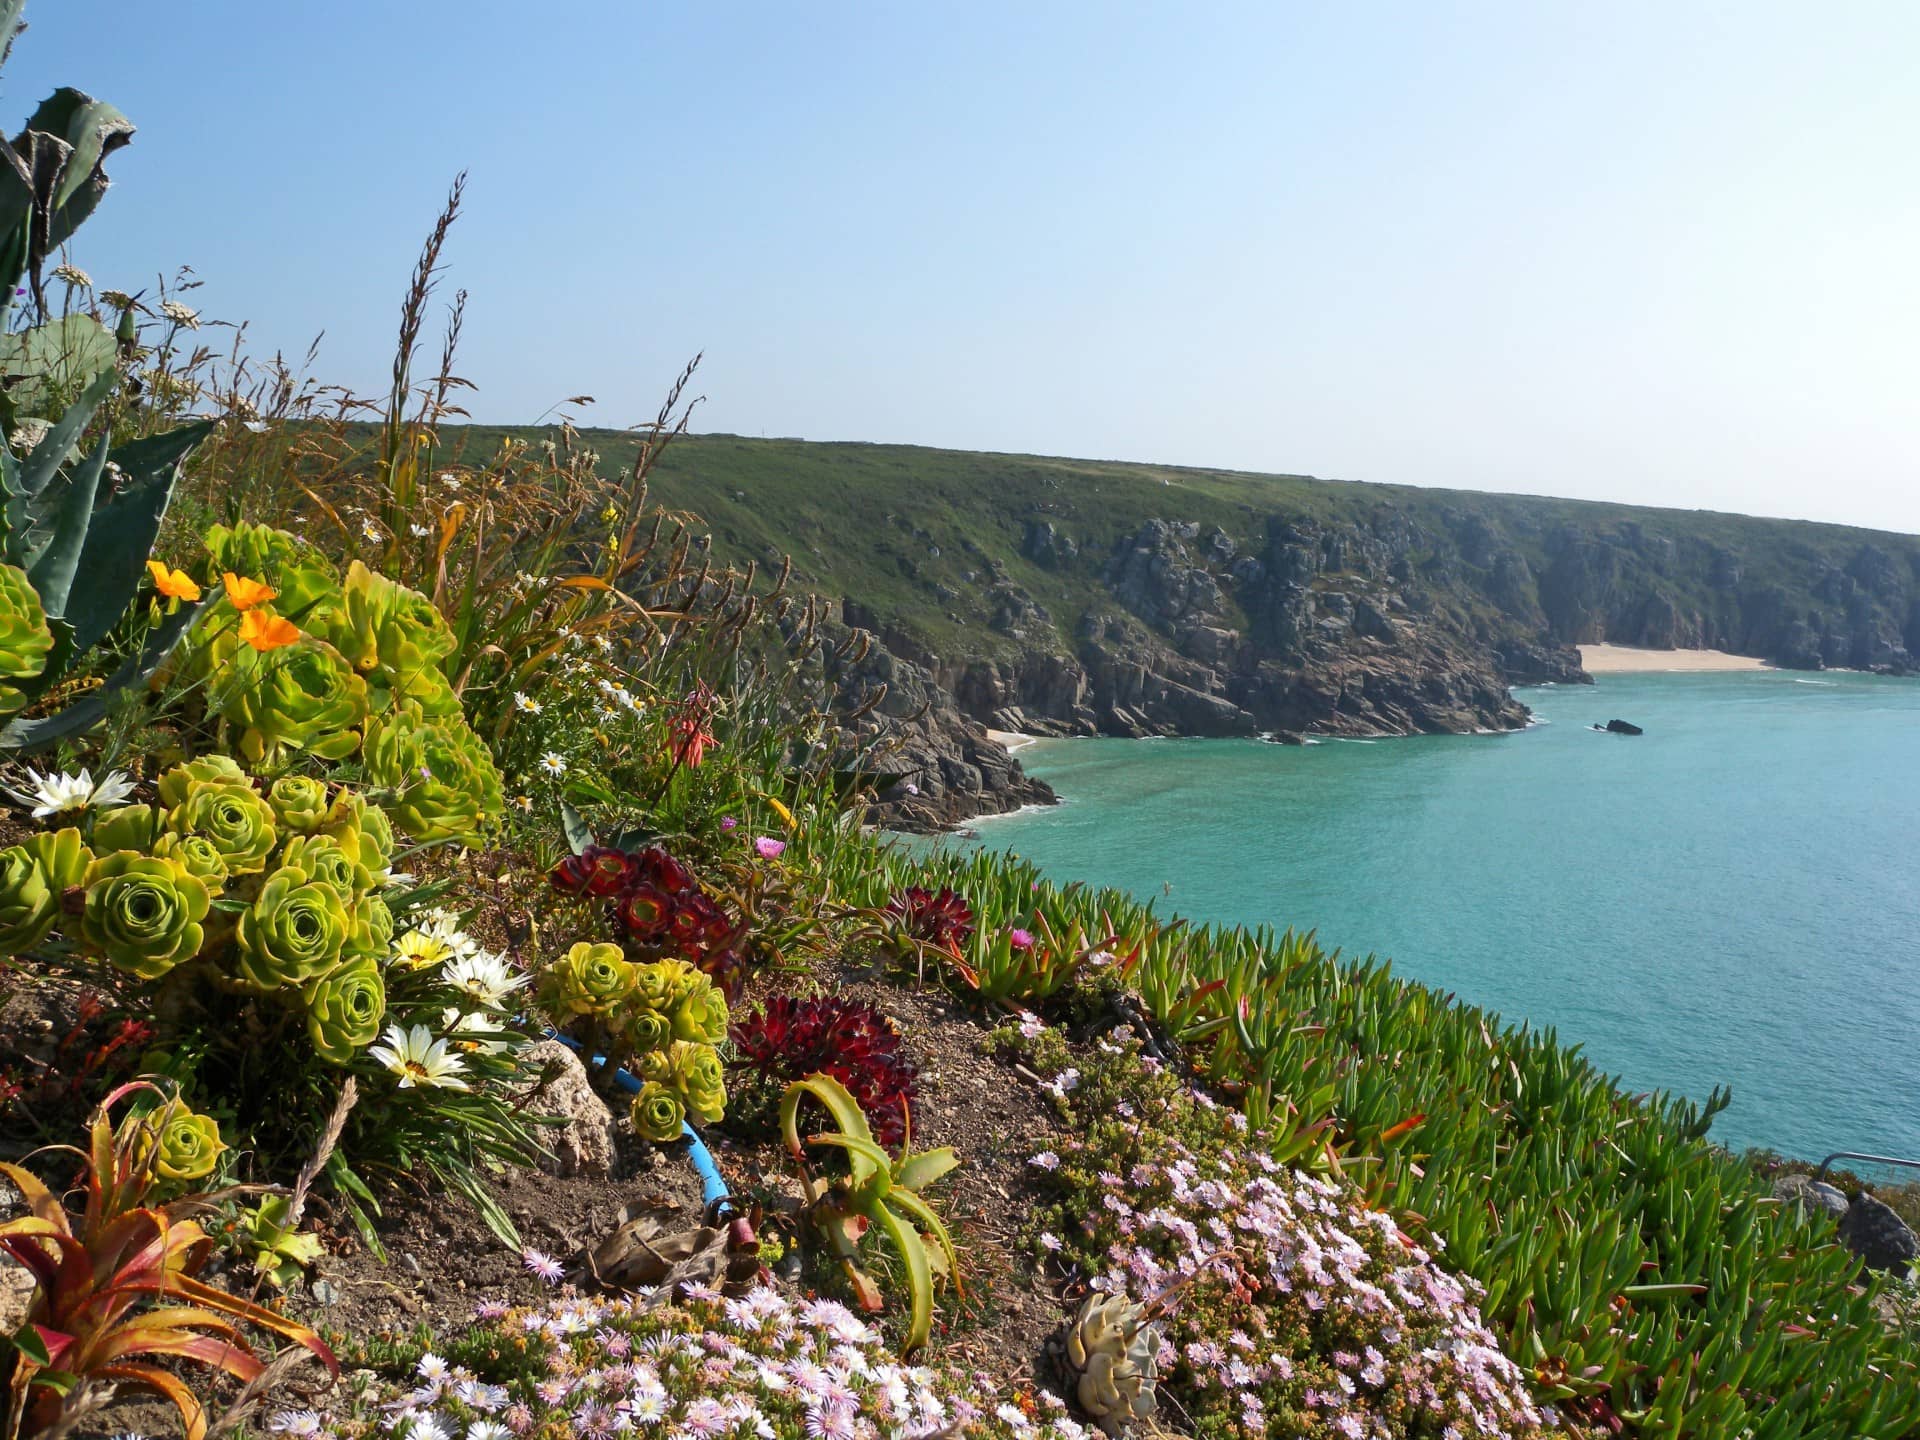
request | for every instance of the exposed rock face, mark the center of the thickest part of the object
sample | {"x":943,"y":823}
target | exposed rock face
{"x":1812,"y":1196}
{"x":907,"y":724}
{"x":583,"y":1145}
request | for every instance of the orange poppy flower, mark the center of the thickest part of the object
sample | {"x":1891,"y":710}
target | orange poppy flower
{"x":245,"y":593}
{"x":174,"y":584}
{"x":266,"y":631}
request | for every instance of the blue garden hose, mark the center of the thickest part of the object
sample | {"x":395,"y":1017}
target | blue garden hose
{"x":713,"y":1189}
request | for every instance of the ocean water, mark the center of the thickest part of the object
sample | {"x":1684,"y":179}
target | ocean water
{"x":1732,"y":898}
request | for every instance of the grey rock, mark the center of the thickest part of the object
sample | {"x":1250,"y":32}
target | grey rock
{"x":1812,"y":1196}
{"x":1881,"y":1239}
{"x":583,"y":1145}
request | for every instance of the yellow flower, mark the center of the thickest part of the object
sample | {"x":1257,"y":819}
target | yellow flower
{"x":266,"y":631}
{"x":174,"y":584}
{"x":245,"y":593}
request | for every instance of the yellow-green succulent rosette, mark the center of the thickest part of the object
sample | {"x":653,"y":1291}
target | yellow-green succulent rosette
{"x":344,"y":1009}
{"x":143,"y":913}
{"x":658,"y":1114}
{"x":300,"y":803}
{"x":590,"y":979}
{"x":25,"y":638}
{"x":294,"y":932}
{"x":187,"y":1146}
{"x":235,"y":818}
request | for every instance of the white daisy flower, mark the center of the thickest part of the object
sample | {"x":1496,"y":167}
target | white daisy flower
{"x":52,"y":794}
{"x":419,"y":1060}
{"x":484,"y":976}
{"x":553,"y":763}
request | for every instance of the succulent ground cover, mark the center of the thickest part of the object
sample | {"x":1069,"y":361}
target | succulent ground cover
{"x":394,"y":764}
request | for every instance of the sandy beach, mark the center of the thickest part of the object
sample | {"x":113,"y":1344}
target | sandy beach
{"x":1626,"y":659}
{"x":1012,"y":739}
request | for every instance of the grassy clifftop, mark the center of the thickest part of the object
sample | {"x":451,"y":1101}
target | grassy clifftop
{"x":909,"y":531}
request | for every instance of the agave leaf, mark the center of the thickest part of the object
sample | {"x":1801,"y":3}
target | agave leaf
{"x":24,"y":737}
{"x":121,"y":533}
{"x":39,"y":468}
{"x":55,"y":560}
{"x":87,"y":131}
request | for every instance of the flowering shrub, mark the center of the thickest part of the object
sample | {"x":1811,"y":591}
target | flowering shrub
{"x":662,"y":1019}
{"x":653,"y":901}
{"x":253,"y":928}
{"x":760,"y":1366}
{"x":852,"y":1041}
{"x":1294,"y":1308}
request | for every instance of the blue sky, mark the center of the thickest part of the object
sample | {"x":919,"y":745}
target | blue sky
{"x":1655,"y":252}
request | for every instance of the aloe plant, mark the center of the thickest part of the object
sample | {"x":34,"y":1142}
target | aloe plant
{"x":878,"y":1192}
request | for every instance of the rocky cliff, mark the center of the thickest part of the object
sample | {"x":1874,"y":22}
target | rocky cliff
{"x":1077,"y":597}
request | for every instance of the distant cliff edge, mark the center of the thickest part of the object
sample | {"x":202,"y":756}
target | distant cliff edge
{"x":1066,"y":597}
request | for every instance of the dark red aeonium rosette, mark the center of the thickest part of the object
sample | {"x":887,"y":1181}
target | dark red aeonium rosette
{"x":847,"y":1039}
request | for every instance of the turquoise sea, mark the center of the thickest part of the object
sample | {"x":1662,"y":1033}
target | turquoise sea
{"x":1731,"y":898}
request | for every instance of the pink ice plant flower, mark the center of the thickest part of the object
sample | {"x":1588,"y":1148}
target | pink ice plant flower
{"x":768,"y":848}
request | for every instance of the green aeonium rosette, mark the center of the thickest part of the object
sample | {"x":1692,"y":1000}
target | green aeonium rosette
{"x":344,"y":1009}
{"x":142,"y":913}
{"x":700,"y":1012}
{"x":179,"y":782}
{"x":694,"y":1073}
{"x":645,"y":1029}
{"x":326,"y":860}
{"x":198,"y":854}
{"x":33,"y":877}
{"x":304,"y":696}
{"x":131,"y":827}
{"x":235,"y":818}
{"x":189,"y":1145}
{"x":293,"y":932}
{"x":658,"y":1114}
{"x":300,"y":803}
{"x":25,"y":640}
{"x":363,"y":830}
{"x":590,"y":979}
{"x":443,"y":779}
{"x":394,"y":637}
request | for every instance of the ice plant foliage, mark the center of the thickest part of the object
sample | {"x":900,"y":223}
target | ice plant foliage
{"x":790,"y":1039}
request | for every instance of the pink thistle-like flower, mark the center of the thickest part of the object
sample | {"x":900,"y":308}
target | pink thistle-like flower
{"x":1020,"y":939}
{"x":727,"y":822}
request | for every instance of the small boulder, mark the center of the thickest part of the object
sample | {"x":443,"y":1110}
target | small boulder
{"x":1623,"y":727}
{"x":1813,"y":1197}
{"x":1871,"y":1230}
{"x":583,"y":1145}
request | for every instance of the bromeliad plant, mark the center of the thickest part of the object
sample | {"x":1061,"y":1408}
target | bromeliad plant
{"x":877,"y":1190}
{"x":116,"y":1297}
{"x":660,"y":1019}
{"x":255,"y":925}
